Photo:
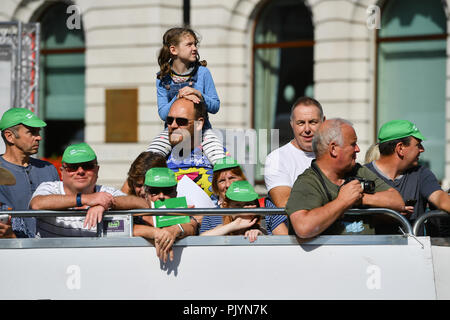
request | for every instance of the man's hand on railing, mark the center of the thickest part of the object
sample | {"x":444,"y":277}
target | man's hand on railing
{"x":94,"y":215}
{"x":103,"y":199}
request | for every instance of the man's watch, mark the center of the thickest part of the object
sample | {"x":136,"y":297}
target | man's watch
{"x":79,"y":204}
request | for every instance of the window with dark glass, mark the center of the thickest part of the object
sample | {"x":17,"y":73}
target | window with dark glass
{"x":62,"y":80}
{"x":283,"y":54}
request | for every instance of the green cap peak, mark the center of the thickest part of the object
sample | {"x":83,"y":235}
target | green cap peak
{"x":160,"y":177}
{"x":225,"y":163}
{"x":397,"y":129}
{"x":78,"y":153}
{"x":15,"y":116}
{"x":241,"y":191}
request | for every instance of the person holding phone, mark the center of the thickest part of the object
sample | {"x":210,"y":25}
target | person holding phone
{"x":400,"y":145}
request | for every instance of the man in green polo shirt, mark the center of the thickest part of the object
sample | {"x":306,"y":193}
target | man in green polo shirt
{"x":319,"y":196}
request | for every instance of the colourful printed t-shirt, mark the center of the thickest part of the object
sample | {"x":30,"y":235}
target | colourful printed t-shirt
{"x":196,"y":166}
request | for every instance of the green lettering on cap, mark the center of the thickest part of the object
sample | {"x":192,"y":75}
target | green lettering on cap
{"x":15,"y":116}
{"x":160,"y":177}
{"x":241,"y":191}
{"x":397,"y":129}
{"x":78,"y":153}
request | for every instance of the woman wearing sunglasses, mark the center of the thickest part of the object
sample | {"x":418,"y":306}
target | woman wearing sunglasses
{"x":161,"y":184}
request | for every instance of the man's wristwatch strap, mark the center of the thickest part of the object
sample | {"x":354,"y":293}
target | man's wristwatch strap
{"x":79,"y":204}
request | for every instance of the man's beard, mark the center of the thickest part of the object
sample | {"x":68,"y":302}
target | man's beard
{"x":179,"y":135}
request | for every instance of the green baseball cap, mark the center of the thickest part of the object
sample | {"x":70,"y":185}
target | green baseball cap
{"x":160,"y":177}
{"x":78,"y":153}
{"x":225,"y":163}
{"x":241,"y":191}
{"x":397,"y":129}
{"x":15,"y":116}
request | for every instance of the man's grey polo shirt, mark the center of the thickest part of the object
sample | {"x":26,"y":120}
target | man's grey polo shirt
{"x":19,"y":195}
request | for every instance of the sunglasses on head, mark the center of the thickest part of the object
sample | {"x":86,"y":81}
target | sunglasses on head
{"x":154,"y":191}
{"x":86,"y":166}
{"x":179,"y":121}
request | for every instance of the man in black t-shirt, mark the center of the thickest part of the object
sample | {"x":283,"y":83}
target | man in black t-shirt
{"x":400,"y":144}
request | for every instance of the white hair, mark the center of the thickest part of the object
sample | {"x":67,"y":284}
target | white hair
{"x":332,"y":132}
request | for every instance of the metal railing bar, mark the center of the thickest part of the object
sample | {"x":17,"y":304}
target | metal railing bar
{"x":151,"y":212}
{"x":203,"y":212}
{"x":427,"y":215}
{"x":389,"y":212}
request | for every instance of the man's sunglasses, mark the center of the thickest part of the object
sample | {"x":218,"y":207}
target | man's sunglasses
{"x":179,"y":121}
{"x":86,"y":166}
{"x":166,"y":191}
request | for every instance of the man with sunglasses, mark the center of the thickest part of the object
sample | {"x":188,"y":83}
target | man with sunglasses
{"x":78,"y":189}
{"x":160,"y":184}
{"x":185,"y":123}
{"x":21,"y":134}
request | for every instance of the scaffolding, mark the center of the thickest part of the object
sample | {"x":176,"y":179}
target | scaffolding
{"x":19,"y":53}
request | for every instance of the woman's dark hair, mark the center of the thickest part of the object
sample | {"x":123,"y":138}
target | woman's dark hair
{"x":172,"y":37}
{"x":143,"y":162}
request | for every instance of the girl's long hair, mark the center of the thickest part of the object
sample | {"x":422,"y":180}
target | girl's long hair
{"x":172,"y":37}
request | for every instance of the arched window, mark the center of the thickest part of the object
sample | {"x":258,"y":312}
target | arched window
{"x":283,"y":64}
{"x":62,"y":80}
{"x":411,"y":72}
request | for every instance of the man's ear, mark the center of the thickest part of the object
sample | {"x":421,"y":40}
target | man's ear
{"x":9,"y":135}
{"x":332,"y":149}
{"x":199,"y":123}
{"x":400,"y":149}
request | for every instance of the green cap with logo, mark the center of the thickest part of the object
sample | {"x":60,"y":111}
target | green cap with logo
{"x":225,"y":163}
{"x":241,"y":191}
{"x":397,"y":129}
{"x":15,"y":116}
{"x":160,"y":178}
{"x":78,"y":153}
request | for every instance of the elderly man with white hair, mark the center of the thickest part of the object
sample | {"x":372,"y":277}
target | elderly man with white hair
{"x":323,"y":192}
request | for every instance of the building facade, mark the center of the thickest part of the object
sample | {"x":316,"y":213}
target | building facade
{"x":366,"y":61}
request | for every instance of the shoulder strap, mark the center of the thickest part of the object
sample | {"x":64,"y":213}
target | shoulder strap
{"x":316,"y":170}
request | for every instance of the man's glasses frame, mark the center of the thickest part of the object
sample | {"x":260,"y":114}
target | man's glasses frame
{"x":86,"y":166}
{"x":182,"y":122}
